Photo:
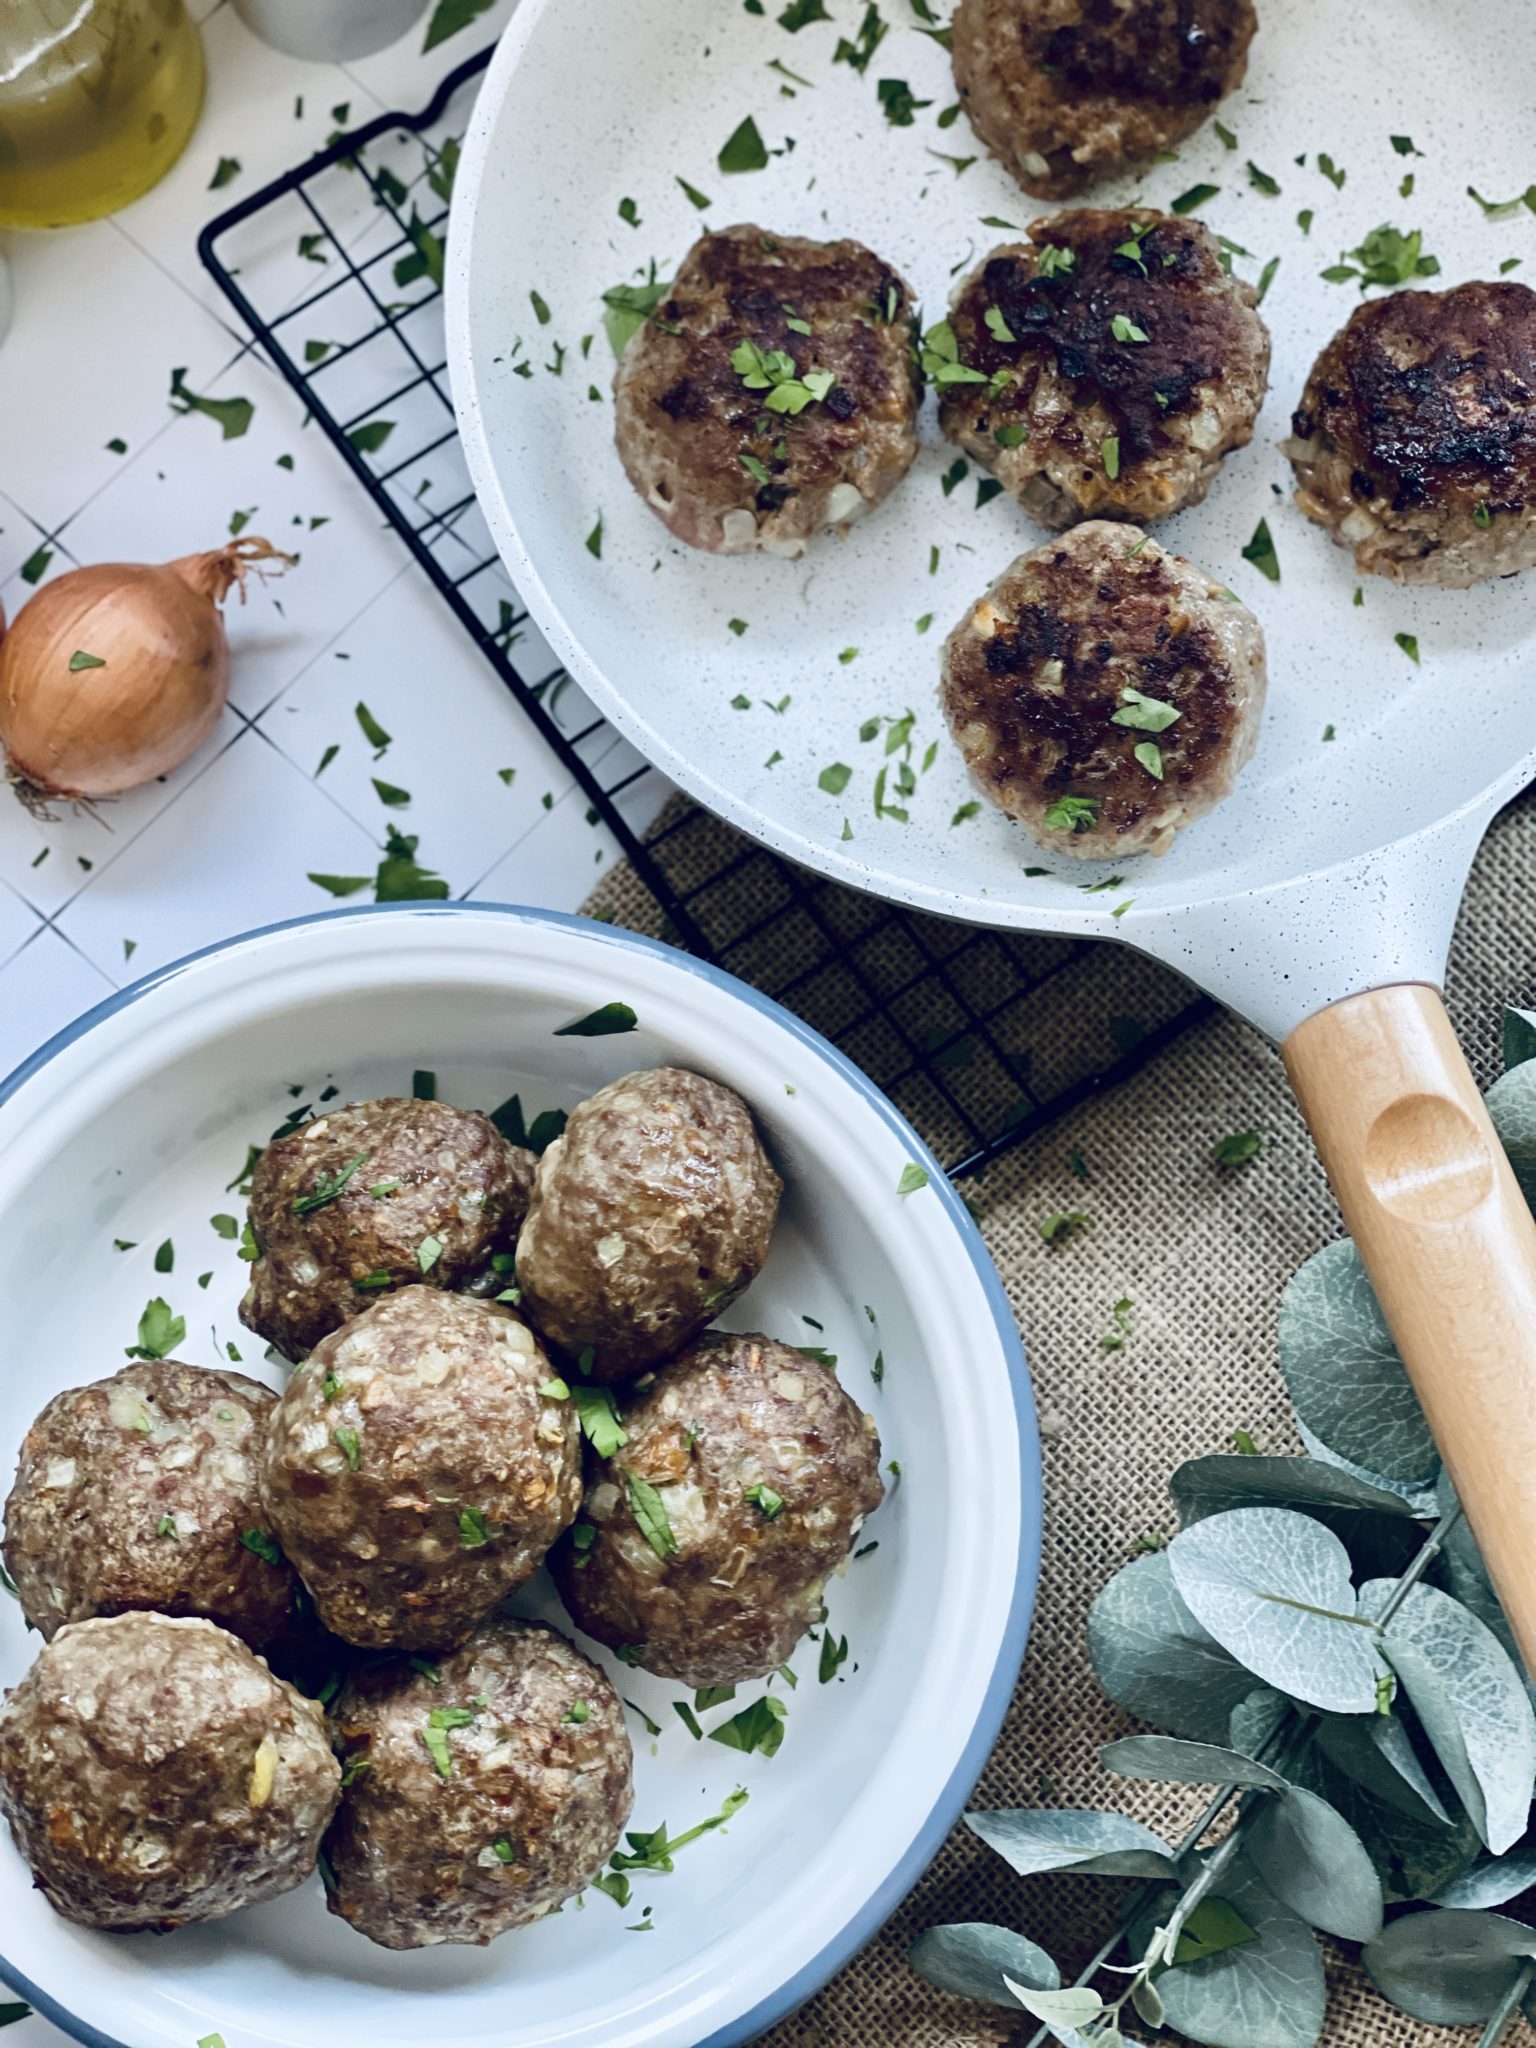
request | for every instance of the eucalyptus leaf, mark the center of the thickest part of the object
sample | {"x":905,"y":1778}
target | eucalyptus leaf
{"x":1493,"y":1880}
{"x":1149,"y":2006}
{"x":1450,"y":1966}
{"x":1166,"y":1760}
{"x":1100,"y":1844}
{"x":1315,"y":1863}
{"x":1519,"y":1037}
{"x":1155,"y":1660}
{"x":1511,"y":1103}
{"x":1209,"y":1486}
{"x":1274,"y":1589}
{"x":1469,"y":1698}
{"x":1344,"y":1372}
{"x":1376,"y":1752}
{"x":1467,"y":1577}
{"x":1256,"y":1720}
{"x":1419,"y":1493}
{"x":971,"y":1959}
{"x":1413,"y":1858}
{"x":1266,"y":1993}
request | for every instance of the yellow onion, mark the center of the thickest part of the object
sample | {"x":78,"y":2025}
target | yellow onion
{"x":114,"y":674}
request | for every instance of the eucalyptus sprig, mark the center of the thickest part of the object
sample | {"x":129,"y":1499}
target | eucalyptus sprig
{"x":1321,"y":1644}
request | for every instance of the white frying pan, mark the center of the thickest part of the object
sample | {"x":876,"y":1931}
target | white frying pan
{"x":1319,"y":901}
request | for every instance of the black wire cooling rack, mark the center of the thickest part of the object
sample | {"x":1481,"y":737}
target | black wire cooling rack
{"x":981,"y":1037}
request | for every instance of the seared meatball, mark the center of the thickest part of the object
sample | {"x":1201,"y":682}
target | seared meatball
{"x":393,"y":1193}
{"x":1415,"y":439}
{"x":1111,"y":363}
{"x":481,"y":1793}
{"x":1105,"y":693}
{"x":649,"y":1216}
{"x":418,"y":1467}
{"x":142,"y":1491}
{"x":772,"y":394}
{"x":763,"y":1470}
{"x":1064,"y":92}
{"x":154,"y":1772}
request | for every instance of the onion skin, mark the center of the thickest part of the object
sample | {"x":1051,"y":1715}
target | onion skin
{"x":159,"y":635}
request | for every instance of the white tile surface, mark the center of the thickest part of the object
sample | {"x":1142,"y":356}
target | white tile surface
{"x":43,"y":988}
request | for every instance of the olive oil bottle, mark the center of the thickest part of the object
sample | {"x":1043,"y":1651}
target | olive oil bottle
{"x":97,"y":101}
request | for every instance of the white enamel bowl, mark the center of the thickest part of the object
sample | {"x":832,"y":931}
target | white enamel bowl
{"x":130,"y":1125}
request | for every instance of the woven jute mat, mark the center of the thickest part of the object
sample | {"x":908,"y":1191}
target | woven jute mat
{"x":1202,"y":1255}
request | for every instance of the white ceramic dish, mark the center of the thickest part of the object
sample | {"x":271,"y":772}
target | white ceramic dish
{"x":587,"y":104}
{"x":130,"y":1125}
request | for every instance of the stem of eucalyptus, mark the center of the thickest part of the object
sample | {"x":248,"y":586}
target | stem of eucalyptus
{"x":1505,"y":2010}
{"x":1200,"y":1886}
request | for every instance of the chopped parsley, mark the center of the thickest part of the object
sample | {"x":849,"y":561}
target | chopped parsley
{"x":166,"y":1526}
{"x":997,"y":325}
{"x":1386,"y":257}
{"x":327,"y":1189}
{"x":1054,"y":259}
{"x":764,"y":1498}
{"x":895,"y":97}
{"x":1150,"y":755}
{"x":1109,"y":449}
{"x":774,"y":371}
{"x":1072,"y":814}
{"x":1504,"y":209}
{"x":474,"y":1530}
{"x":1261,"y":181}
{"x":261,"y":1545}
{"x":759,"y":1727}
{"x":598,"y":1412}
{"x":347,"y":1443}
{"x":607,"y":1022}
{"x":650,"y":1513}
{"x":872,"y":32}
{"x":1143,"y":713}
{"x":834,"y":1649}
{"x":434,"y":1736}
{"x":939,"y":357}
{"x":159,"y":1331}
{"x":1063,"y":1220}
{"x":1261,"y":552}
{"x":1331,"y":171}
{"x":1124,"y":328}
{"x":1409,"y":645}
{"x":1194,"y":198}
{"x":654,"y":1849}
{"x":834,"y":780}
{"x":1238,"y":1149}
{"x":743,"y":150}
{"x":912,"y":1178}
{"x":428,"y":1252}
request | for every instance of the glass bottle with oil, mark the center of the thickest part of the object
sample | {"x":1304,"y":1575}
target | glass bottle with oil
{"x":97,"y":100}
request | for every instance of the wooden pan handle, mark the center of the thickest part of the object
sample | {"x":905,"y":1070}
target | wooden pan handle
{"x":1450,"y":1245}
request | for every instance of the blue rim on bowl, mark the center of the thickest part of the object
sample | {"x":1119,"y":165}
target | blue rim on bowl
{"x":950,"y":1801}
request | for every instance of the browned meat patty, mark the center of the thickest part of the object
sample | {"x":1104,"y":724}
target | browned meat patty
{"x":705,"y":1541}
{"x":142,"y":1491}
{"x":418,"y":1467}
{"x":1064,"y":92}
{"x":1105,"y":693}
{"x":1104,"y":368}
{"x":155,"y":1772}
{"x":1415,"y":439}
{"x":773,"y":394}
{"x":649,"y":1216}
{"x":380,"y":1195}
{"x":480,"y":1794}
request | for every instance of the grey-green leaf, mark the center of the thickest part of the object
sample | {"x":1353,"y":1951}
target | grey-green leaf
{"x":1166,"y":1760}
{"x":1209,"y":1486}
{"x":1344,"y":1372}
{"x":1155,"y":1660}
{"x":1492,"y":1879}
{"x":1519,"y":1037}
{"x":1101,"y":1844}
{"x":1274,"y":1589}
{"x":1413,"y":1858}
{"x":1466,"y":1575}
{"x":1450,"y":1967}
{"x":1315,"y":1863}
{"x":1512,"y":1105}
{"x":1262,"y":1994}
{"x":1473,"y":1707}
{"x":1375,"y":1753}
{"x":970,"y":1958}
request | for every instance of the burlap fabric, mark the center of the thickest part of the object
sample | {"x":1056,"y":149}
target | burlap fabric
{"x":1202,"y":1255}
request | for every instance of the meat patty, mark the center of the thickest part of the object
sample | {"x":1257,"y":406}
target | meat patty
{"x":142,"y":1491}
{"x":380,"y":1195}
{"x":419,"y":1466}
{"x":650,"y":1214}
{"x":1104,"y":368}
{"x":772,"y":394}
{"x":1064,"y":92}
{"x":481,"y":1792}
{"x":1415,"y":439}
{"x":1105,"y":693}
{"x":705,"y":1540}
{"x":155,"y":1772}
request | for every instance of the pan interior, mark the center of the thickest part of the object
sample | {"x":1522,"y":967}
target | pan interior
{"x":593,"y":117}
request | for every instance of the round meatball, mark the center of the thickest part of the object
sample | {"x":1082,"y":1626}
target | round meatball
{"x":1064,"y":92}
{"x":650,"y":1215}
{"x":481,"y":1794}
{"x":773,"y":392}
{"x":1105,"y":693}
{"x":154,"y":1771}
{"x":419,"y":1466}
{"x":706,"y":1539}
{"x":142,"y":1491}
{"x":1415,"y":439}
{"x":393,"y":1193}
{"x":1105,"y":367}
